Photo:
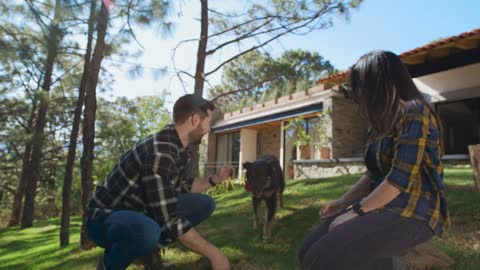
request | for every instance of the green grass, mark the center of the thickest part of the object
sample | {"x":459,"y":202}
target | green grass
{"x":230,"y":228}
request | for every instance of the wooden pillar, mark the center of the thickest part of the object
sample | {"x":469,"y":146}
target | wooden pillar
{"x":474,"y":151}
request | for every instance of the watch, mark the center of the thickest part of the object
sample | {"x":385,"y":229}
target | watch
{"x":357,"y":208}
{"x":210,"y":180}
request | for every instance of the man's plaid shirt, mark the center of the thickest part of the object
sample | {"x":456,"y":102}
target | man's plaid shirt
{"x":409,"y":158}
{"x":148,"y":179}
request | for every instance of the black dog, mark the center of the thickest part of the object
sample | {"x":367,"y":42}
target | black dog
{"x":266,"y":182}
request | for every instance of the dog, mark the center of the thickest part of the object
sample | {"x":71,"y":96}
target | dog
{"x":264,"y":179}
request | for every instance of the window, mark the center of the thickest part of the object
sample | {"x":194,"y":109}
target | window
{"x":290,"y":136}
{"x":312,"y":130}
{"x":461,"y":124}
{"x":228,"y":147}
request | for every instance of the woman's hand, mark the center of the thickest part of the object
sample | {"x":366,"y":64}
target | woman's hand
{"x":331,"y":209}
{"x":342,"y":219}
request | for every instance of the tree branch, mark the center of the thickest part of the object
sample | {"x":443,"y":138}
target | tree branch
{"x":240,"y":25}
{"x":186,"y":73}
{"x":244,"y":36}
{"x":266,"y":42}
{"x":259,"y":84}
{"x":130,"y":30}
{"x":174,"y":51}
{"x":226,"y":15}
{"x":67,"y":72}
{"x":15,"y":148}
{"x":7,"y":188}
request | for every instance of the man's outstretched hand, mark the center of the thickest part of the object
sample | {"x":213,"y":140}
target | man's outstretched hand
{"x":227,"y":171}
{"x":220,"y":262}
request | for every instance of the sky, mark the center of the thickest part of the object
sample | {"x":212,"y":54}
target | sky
{"x":395,"y":25}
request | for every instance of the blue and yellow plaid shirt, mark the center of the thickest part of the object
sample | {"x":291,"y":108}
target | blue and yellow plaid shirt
{"x":410,"y":159}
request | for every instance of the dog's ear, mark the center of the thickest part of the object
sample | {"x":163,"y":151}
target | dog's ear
{"x":273,"y":169}
{"x":272,"y":165}
{"x":247,"y":165}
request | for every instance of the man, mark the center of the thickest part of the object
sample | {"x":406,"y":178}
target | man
{"x":148,"y":198}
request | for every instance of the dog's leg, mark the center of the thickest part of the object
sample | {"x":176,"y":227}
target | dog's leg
{"x":255,"y":202}
{"x":269,"y":217}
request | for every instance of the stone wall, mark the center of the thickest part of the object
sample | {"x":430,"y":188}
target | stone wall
{"x":348,"y":129}
{"x":269,"y":140}
{"x":304,"y":169}
{"x":327,"y":168}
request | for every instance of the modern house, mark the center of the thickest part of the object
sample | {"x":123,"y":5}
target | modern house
{"x":446,"y":71}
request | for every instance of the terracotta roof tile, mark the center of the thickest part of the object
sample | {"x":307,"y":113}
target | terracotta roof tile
{"x":341,"y":76}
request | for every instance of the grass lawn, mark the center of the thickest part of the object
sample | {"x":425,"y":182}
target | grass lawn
{"x":230,"y":228}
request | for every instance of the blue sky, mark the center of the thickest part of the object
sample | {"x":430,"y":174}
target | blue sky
{"x":396,"y":25}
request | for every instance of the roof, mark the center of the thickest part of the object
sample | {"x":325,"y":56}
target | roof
{"x":434,"y":50}
{"x":279,"y":109}
{"x":288,"y":106}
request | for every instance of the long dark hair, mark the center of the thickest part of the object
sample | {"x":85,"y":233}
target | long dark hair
{"x":381,"y":85}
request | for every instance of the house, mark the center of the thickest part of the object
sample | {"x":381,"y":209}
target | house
{"x":446,"y":71}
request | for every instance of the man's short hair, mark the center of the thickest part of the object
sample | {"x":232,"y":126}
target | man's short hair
{"x":188,"y":104}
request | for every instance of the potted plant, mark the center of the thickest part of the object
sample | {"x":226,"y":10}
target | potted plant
{"x":322,"y":140}
{"x":290,"y":169}
{"x":303,"y":139}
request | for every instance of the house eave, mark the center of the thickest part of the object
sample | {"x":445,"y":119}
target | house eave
{"x":282,"y":110}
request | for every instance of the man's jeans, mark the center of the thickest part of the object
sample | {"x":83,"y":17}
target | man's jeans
{"x":127,"y":235}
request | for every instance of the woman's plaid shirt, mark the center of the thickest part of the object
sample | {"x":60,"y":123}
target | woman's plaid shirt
{"x":409,"y":158}
{"x":148,"y":179}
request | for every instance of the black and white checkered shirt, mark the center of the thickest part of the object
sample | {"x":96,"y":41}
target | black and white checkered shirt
{"x":148,"y":179}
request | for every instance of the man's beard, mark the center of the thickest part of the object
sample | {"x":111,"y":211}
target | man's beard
{"x":195,"y":137}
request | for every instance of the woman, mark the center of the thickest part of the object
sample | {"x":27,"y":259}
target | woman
{"x":400,"y":201}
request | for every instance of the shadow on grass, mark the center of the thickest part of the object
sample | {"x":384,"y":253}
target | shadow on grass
{"x":86,"y":258}
{"x":235,"y":236}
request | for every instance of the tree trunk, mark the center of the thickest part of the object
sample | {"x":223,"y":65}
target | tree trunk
{"x":68,"y":179}
{"x":474,"y":151}
{"x":89,"y":119}
{"x":22,"y":185}
{"x":53,"y":41}
{"x":200,"y":76}
{"x":202,"y":50}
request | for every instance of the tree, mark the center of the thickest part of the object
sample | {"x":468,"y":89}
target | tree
{"x":36,"y":65}
{"x":262,"y":77}
{"x":53,"y":38}
{"x":23,"y":59}
{"x":150,"y":114}
{"x":123,"y":122}
{"x":142,"y":12}
{"x":258,"y":25}
{"x":86,"y":162}
{"x":68,"y":177}
{"x":19,"y":72}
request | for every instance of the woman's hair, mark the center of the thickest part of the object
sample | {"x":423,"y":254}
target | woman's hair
{"x":381,"y":85}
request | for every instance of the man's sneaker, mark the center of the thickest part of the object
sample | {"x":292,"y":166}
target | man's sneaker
{"x":101,"y":265}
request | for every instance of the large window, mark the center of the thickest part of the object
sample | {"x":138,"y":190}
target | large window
{"x":290,"y":136}
{"x":228,"y":148}
{"x":312,"y":130}
{"x":461,"y":124}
